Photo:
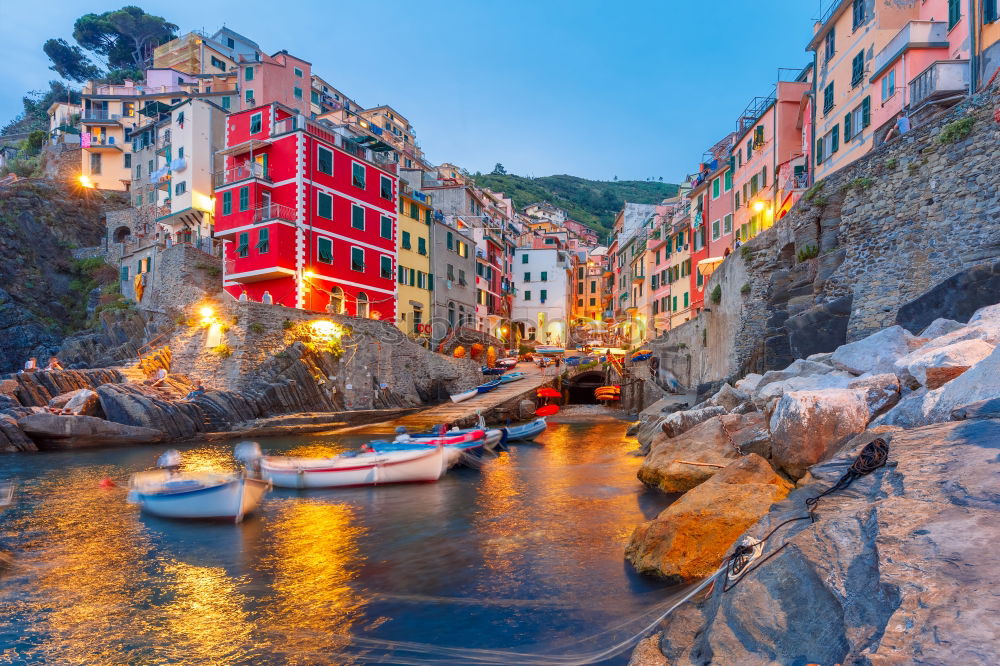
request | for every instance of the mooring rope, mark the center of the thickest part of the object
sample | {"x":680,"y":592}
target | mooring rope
{"x":873,"y":456}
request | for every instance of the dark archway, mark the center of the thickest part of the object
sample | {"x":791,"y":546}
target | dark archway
{"x":121,"y":234}
{"x":580,"y":389}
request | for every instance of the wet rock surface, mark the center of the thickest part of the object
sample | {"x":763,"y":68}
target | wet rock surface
{"x":57,"y":431}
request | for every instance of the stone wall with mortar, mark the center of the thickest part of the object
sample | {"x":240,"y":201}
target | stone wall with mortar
{"x":886,"y":229}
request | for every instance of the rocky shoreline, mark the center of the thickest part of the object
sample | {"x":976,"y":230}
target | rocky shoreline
{"x":896,"y":568}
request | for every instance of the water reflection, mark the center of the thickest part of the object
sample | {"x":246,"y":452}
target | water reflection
{"x":526,"y":551}
{"x":312,"y":560}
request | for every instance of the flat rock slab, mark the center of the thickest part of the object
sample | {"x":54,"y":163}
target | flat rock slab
{"x":76,"y":431}
{"x":899,"y":568}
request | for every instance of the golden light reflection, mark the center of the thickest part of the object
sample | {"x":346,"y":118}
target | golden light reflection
{"x":313,"y":560}
{"x":206,"y":621}
{"x":88,"y":562}
{"x":501,"y":518}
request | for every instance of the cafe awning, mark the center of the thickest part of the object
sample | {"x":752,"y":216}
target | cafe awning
{"x":707,"y":266}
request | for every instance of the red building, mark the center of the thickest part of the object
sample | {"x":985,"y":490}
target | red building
{"x":307,"y":215}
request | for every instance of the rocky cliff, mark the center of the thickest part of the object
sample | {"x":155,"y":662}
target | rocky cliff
{"x":45,"y":293}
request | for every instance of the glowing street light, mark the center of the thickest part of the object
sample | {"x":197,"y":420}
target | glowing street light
{"x":85,"y":181}
{"x":758,"y":206}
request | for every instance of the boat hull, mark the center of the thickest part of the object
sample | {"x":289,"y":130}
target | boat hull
{"x":460,"y":397}
{"x":412,"y":466}
{"x":232,"y":500}
{"x":527,"y":431}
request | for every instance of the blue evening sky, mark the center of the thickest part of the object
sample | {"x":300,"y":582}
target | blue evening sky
{"x":585,"y":87}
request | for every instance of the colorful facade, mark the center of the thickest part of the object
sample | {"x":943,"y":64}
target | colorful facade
{"x":415,"y":277}
{"x":307,"y":217}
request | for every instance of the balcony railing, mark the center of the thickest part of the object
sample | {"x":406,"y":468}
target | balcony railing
{"x":942,"y":79}
{"x":922,"y":34}
{"x":99,"y":114}
{"x":273,"y":212}
{"x":245,"y":171}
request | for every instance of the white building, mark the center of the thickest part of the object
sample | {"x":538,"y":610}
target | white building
{"x":542,"y":305}
{"x":64,"y":121}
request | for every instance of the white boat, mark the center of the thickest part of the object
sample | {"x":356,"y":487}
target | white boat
{"x":6,"y":494}
{"x":526,"y":431}
{"x":197,"y":495}
{"x":465,"y":395}
{"x":356,"y":468}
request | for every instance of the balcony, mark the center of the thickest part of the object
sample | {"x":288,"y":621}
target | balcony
{"x":100,"y":117}
{"x":943,"y":79}
{"x":101,"y":145}
{"x":914,"y":35}
{"x":245,"y":171}
{"x":163,"y":143}
{"x":272,"y":213}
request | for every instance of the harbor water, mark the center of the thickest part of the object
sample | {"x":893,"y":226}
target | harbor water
{"x":524,"y":555}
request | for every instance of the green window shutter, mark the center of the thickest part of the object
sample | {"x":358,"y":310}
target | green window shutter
{"x":835,"y":139}
{"x":227,"y":202}
{"x":422,"y":245}
{"x":358,"y":217}
{"x":847,"y":127}
{"x":324,"y":250}
{"x":124,"y":273}
{"x":406,"y":240}
{"x":819,"y":151}
{"x":324,"y":205}
{"x":451,"y":242}
{"x":989,"y":11}
{"x":954,"y":13}
{"x":685,"y":299}
{"x":866,"y":112}
{"x":545,"y":276}
{"x":430,"y":282}
{"x":244,"y":198}
{"x":386,"y":230}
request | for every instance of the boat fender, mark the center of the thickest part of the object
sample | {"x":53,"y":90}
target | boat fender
{"x":107,"y":482}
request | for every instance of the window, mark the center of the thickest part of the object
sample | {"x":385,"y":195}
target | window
{"x":579,"y":289}
{"x":414,"y":210}
{"x":527,"y":277}
{"x":545,"y":276}
{"x":128,"y":161}
{"x":593,"y":302}
{"x":357,"y":259}
{"x":263,"y":240}
{"x":450,"y":241}
{"x":324,"y":160}
{"x":297,"y":92}
{"x":858,"y":69}
{"x":686,"y":296}
{"x":243,"y":247}
{"x":138,"y":201}
{"x":461,"y":277}
{"x":543,"y":295}
{"x":245,"y":198}
{"x":763,"y":176}
{"x":385,"y":229}
{"x":450,"y":273}
{"x":728,"y":181}
{"x":860,"y":13}
{"x":297,"y":71}
{"x":227,"y":202}
{"x":463,"y":249}
{"x":128,"y":110}
{"x":358,"y":217}
{"x":830,"y":44}
{"x":124,"y":273}
{"x":422,"y":246}
{"x":361,"y":305}
{"x":954,"y":13}
{"x":888,"y":85}
{"x":180,"y":188}
{"x":226,"y":104}
{"x":990,"y":11}
{"x":180,"y":153}
{"x":256,"y":121}
{"x":737,"y":199}
{"x":324,"y":250}
{"x":593,"y":286}
{"x":385,"y":267}
{"x":138,"y":171}
{"x":727,"y":224}
{"x":675,"y":304}
{"x":358,"y":175}
{"x":324,"y":205}
{"x":248,"y":94}
{"x":95,"y":163}
{"x":716,"y":188}
{"x":527,"y":295}
{"x":405,"y":243}
{"x":248,"y":73}
{"x":218,"y":64}
{"x":857,"y":120}
{"x":716,"y":229}
{"x":385,"y":189}
{"x":827,"y":99}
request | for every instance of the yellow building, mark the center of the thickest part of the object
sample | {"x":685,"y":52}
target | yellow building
{"x":414,"y":278}
{"x":844,"y":44}
{"x":108,"y":116}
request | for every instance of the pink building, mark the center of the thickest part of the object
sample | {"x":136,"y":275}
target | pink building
{"x":927,"y":62}
{"x":280,"y":78}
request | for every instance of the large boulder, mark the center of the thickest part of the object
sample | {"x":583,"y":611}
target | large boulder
{"x":809,"y":426}
{"x":59,"y":431}
{"x":829,"y":380}
{"x":913,"y":409}
{"x":749,"y":383}
{"x":877,"y":353}
{"x":958,"y":297}
{"x":689,"y":538}
{"x":129,"y":404}
{"x":798,"y":368}
{"x":914,"y":366}
{"x":81,"y":401}
{"x":729,"y":398}
{"x":900,"y":569}
{"x":680,"y":422}
{"x":940,"y":327}
{"x":677,"y":464}
{"x":12,"y":438}
{"x":880,"y":392}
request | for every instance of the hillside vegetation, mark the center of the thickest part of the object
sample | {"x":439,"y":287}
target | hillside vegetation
{"x":592,"y":202}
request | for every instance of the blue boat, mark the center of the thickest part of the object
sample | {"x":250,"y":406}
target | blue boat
{"x":573,"y":360}
{"x":488,"y":386}
{"x":493,"y":371}
{"x":512,"y":377}
{"x":526,"y":431}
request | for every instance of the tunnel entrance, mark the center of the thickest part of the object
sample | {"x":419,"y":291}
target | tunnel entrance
{"x":580,"y":389}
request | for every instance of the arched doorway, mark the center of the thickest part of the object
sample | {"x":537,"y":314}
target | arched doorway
{"x":362,"y":306}
{"x":336,"y":305}
{"x":121,"y":234}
